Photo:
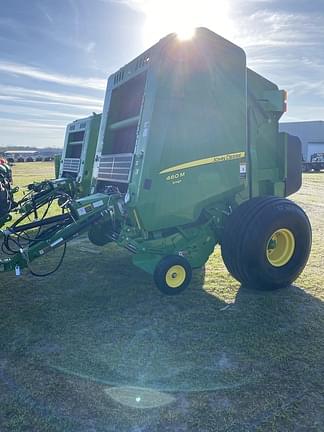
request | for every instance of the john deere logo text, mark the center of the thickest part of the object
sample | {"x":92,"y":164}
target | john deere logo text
{"x":206,"y":161}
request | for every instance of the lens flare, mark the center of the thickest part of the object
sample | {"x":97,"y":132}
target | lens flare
{"x":182,"y":17}
{"x":186,"y":33}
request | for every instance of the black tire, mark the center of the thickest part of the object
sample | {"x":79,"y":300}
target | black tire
{"x":163,"y":277}
{"x":99,"y":234}
{"x":247,"y":242}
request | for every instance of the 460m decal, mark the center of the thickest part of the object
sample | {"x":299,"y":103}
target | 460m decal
{"x":207,"y":161}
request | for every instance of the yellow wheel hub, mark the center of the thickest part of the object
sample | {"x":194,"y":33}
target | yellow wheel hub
{"x":175,"y":276}
{"x":280,"y":247}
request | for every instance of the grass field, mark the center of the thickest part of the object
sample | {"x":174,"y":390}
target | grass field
{"x":95,"y":347}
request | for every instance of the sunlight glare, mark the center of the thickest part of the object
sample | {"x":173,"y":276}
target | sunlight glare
{"x":186,"y":33}
{"x":182,"y":17}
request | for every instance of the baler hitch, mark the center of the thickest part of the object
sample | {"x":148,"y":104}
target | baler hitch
{"x":24,"y":245}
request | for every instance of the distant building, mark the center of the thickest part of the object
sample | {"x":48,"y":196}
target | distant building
{"x":311,"y":134}
{"x":20,"y":155}
{"x":31,"y":155}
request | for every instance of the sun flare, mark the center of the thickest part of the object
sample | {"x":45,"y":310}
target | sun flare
{"x":182,"y":17}
{"x":186,"y":33}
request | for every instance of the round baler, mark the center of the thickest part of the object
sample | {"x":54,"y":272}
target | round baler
{"x":189,"y":156}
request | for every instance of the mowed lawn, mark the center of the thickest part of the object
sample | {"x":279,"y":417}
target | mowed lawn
{"x":95,"y":347}
{"x":29,"y":172}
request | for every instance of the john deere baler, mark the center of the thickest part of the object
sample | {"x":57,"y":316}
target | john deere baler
{"x":189,"y":156}
{"x":79,"y":151}
{"x":73,"y":172}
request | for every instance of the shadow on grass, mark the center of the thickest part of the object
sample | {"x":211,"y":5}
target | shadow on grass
{"x":100,"y":324}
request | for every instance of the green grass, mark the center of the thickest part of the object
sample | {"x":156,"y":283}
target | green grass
{"x":95,"y":347}
{"x":26,"y":173}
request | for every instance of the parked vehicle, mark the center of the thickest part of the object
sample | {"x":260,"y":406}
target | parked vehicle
{"x":316,"y":163}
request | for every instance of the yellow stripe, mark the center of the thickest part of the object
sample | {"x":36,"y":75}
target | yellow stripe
{"x":210,"y":160}
{"x":137,"y":220}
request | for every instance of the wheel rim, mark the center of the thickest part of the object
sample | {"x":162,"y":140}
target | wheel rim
{"x":175,"y":276}
{"x":280,"y":247}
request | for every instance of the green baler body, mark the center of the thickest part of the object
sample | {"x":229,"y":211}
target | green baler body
{"x":193,"y":98}
{"x":79,"y":151}
{"x":188,"y":133}
{"x":191,"y":104}
{"x":265,"y":145}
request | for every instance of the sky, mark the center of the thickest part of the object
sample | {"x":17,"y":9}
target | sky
{"x":56,"y":55}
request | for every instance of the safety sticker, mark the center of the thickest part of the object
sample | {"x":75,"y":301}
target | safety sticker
{"x":97,"y":204}
{"x":82,"y":211}
{"x":243,"y":169}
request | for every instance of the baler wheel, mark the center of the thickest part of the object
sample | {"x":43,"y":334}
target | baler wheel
{"x":172,"y":274}
{"x":266,"y":242}
{"x":97,"y":234}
